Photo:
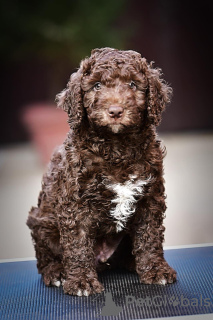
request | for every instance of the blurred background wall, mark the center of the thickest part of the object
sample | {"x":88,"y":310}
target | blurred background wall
{"x":42,"y":43}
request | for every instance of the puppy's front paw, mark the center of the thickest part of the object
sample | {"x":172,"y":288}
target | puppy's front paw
{"x":161,"y":274}
{"x":83,"y":286}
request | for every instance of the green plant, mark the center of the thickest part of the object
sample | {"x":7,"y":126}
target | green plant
{"x":64,"y":29}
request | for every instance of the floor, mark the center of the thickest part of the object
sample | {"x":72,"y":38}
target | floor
{"x":24,"y":296}
{"x":188,"y":175}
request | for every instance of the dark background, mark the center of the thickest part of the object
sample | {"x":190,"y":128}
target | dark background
{"x":42,"y":42}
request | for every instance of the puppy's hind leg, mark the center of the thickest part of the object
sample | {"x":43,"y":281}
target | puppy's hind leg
{"x":45,"y":237}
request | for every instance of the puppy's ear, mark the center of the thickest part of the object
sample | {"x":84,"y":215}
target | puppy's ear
{"x":71,"y":101}
{"x":158,"y":94}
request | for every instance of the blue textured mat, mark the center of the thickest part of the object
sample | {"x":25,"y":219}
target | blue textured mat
{"x":24,"y":296}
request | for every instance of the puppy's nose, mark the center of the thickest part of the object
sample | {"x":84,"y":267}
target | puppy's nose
{"x":115,"y":111}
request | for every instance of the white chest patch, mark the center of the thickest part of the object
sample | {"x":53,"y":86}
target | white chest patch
{"x":126,"y":199}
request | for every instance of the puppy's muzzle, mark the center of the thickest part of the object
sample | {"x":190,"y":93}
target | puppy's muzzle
{"x":115,"y":112}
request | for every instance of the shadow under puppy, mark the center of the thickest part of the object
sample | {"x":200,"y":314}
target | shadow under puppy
{"x":102,"y":202}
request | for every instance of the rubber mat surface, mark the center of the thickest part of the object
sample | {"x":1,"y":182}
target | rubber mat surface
{"x":23,"y":295}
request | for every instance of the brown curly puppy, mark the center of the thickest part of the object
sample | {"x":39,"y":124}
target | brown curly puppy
{"x":102,"y":202}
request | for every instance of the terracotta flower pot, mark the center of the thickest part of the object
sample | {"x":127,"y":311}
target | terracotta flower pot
{"x":48,"y":128}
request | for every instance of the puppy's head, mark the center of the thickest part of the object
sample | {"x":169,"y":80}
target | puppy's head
{"x":116,"y":91}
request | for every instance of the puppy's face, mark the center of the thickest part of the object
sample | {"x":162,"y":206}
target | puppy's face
{"x":114,"y":97}
{"x":115,"y":90}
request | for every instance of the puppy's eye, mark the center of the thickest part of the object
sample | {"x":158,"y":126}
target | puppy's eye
{"x":97,"y":86}
{"x":133,"y":85}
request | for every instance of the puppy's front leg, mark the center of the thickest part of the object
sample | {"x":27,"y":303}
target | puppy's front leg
{"x":80,"y":276}
{"x":147,"y":246}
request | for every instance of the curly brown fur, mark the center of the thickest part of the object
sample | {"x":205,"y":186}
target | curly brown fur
{"x":102,"y":202}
